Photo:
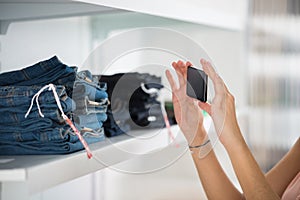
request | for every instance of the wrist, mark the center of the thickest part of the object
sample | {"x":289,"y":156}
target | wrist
{"x":202,"y":150}
{"x":199,"y":138}
{"x":201,"y":145}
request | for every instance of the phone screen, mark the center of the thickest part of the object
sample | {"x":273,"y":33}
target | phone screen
{"x":196,"y":84}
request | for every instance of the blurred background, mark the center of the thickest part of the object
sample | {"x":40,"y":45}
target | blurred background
{"x":255,"y":47}
{"x":273,"y":78}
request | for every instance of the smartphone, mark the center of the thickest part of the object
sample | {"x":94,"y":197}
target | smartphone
{"x":196,"y":84}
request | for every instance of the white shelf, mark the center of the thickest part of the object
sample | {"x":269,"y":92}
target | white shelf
{"x":216,"y":13}
{"x":229,"y":14}
{"x":19,"y":10}
{"x":30,"y":171}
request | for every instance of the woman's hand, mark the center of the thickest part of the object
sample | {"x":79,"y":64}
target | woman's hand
{"x":222,"y":107}
{"x":222,"y":111}
{"x":187,"y":112}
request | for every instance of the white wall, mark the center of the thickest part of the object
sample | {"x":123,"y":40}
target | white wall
{"x":28,"y":42}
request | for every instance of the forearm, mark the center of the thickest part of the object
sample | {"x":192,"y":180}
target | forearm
{"x":250,"y":176}
{"x":287,"y":168}
{"x":214,"y":180}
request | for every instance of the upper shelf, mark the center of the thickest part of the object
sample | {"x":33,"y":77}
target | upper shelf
{"x":215,"y":13}
{"x":229,"y":14}
{"x":18,"y":10}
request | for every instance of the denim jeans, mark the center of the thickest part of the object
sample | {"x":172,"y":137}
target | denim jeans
{"x":14,"y":96}
{"x":15,"y":101}
{"x":89,"y":96}
{"x":92,"y":136}
{"x":93,"y":121}
{"x":67,"y":144}
{"x":49,"y":134}
{"x":45,"y":135}
{"x":42,"y":73}
{"x":51,"y":140}
{"x":58,"y":140}
{"x":85,"y":87}
{"x":85,"y":106}
{"x":28,"y":125}
{"x":91,"y":101}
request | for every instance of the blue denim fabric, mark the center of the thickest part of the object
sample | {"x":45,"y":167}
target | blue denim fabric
{"x":42,"y":73}
{"x":84,"y":86}
{"x":89,"y":90}
{"x":17,"y":119}
{"x":51,"y":134}
{"x":48,"y":135}
{"x":56,"y":141}
{"x":88,"y":77}
{"x":68,"y":144}
{"x":23,"y":148}
{"x":17,"y":99}
{"x":28,"y":125}
{"x":14,"y":96}
{"x":92,"y":136}
{"x":45,"y":135}
{"x":91,"y":102}
{"x":92,"y":125}
{"x":85,"y":106}
{"x":49,"y":111}
{"x":93,"y":121}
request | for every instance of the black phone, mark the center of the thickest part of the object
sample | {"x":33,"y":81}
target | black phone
{"x":196,"y":84}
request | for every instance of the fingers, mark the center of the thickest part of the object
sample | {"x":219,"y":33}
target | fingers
{"x":205,"y":106}
{"x":218,"y":83}
{"x":171,"y":80}
{"x":179,"y":68}
{"x":188,"y":64}
{"x":181,"y":71}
